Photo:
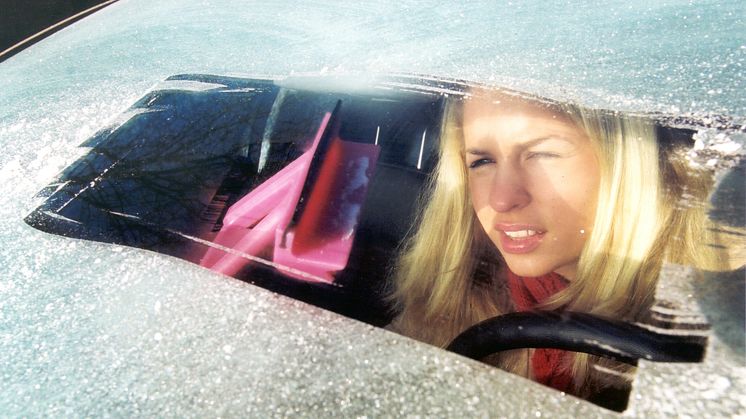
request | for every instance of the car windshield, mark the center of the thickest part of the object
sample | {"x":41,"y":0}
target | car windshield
{"x":178,"y":127}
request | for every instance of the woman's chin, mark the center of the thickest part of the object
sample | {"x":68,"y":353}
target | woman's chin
{"x":528,"y":269}
{"x":535,"y":269}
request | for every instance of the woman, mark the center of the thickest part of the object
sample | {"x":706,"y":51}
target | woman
{"x":537,"y":205}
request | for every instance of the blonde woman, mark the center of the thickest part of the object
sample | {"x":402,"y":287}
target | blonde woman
{"x":537,"y":205}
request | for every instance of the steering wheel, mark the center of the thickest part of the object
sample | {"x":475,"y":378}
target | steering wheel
{"x":577,"y":332}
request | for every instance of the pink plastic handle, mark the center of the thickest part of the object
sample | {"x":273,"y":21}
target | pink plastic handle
{"x":320,"y":242}
{"x":250,"y":224}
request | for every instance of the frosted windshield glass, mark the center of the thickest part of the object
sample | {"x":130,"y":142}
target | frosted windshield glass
{"x":100,"y":329}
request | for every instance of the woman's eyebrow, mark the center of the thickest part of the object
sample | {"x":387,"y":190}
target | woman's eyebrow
{"x":536,"y":141}
{"x":524,"y":144}
{"x":476,"y":151}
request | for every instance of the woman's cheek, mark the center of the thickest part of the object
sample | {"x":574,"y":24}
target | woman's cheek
{"x":479,"y":192}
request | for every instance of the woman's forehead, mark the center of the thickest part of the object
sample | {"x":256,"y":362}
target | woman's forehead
{"x":501,"y":104}
{"x":516,"y":119}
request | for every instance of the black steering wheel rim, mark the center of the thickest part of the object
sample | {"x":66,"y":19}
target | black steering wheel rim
{"x":576,"y":332}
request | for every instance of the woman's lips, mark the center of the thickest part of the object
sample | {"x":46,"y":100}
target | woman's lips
{"x":519,"y":238}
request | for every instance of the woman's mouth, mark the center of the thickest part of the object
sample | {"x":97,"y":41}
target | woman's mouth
{"x":519,"y":239}
{"x":520,"y":233}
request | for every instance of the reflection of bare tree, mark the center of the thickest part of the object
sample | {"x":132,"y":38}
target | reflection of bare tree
{"x":163,"y":166}
{"x":164,"y":178}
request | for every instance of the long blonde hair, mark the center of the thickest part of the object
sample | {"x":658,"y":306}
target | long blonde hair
{"x":448,"y":275}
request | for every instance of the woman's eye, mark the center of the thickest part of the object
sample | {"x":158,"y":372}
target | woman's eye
{"x":479,"y":162}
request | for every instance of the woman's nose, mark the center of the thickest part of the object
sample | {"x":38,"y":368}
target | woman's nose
{"x":509,"y":191}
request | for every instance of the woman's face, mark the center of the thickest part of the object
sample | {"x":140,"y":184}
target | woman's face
{"x":533,"y":179}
